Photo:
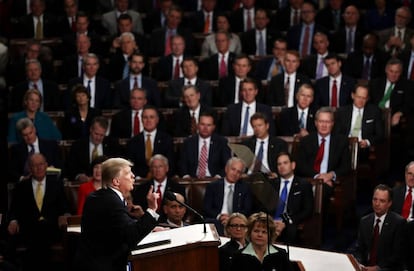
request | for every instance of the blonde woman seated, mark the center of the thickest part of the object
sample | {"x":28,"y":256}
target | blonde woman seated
{"x":259,"y":254}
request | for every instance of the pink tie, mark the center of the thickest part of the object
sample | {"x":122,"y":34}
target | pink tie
{"x":202,"y":162}
{"x":223,"y":68}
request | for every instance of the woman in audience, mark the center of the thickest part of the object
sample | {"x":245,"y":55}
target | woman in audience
{"x":78,"y":120}
{"x":93,"y":184}
{"x":209,"y":48}
{"x":259,"y":254}
{"x":236,"y":229}
{"x":45,"y":127}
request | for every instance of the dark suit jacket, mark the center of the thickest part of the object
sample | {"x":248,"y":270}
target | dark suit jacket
{"x":210,"y":67}
{"x":293,"y":36}
{"x":51,"y":96}
{"x":232,"y":118}
{"x":276,"y":94}
{"x":182,"y":120}
{"x":372,"y":123}
{"x":389,"y":253}
{"x":213,"y":199}
{"x":74,"y":127}
{"x":121,"y":124}
{"x":24,"y":209}
{"x":398,"y":100}
{"x":116,"y":66}
{"x":123,"y":92}
{"x":16,"y":70}
{"x":398,"y":198}
{"x":308,"y":65}
{"x":173,"y":95}
{"x":236,"y":20}
{"x":409,"y":238}
{"x":219,"y":153}
{"x":104,"y":214}
{"x":197,"y":24}
{"x":354,"y":64}
{"x":283,"y":19}
{"x":227,"y":89}
{"x":157,"y":41}
{"x":78,"y":161}
{"x":163,"y":144}
{"x":339,"y":159}
{"x":289,"y":121}
{"x":339,"y":40}
{"x":325,"y":18}
{"x":248,"y":40}
{"x":26,"y":26}
{"x":276,"y":145}
{"x":103,"y":94}
{"x":19,"y":154}
{"x":69,"y":44}
{"x":322,"y":91}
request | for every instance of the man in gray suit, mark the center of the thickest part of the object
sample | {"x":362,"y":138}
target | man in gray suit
{"x":109,"y":19}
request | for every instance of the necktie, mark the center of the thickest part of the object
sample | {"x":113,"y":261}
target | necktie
{"x":177,"y":69}
{"x":282,"y":200}
{"x":207,"y":24}
{"x":125,"y":71}
{"x":167,"y":49}
{"x":188,"y":82}
{"x":193,"y":124}
{"x":248,"y":21}
{"x":80,"y":67}
{"x":39,"y":29}
{"x":336,"y":19}
{"x":135,"y":82}
{"x":245,"y":122}
{"x":261,"y":46}
{"x":408,"y":202}
{"x":35,"y":86}
{"x":26,"y":164}
{"x":349,"y":41}
{"x":39,"y":196}
{"x":412,"y":69}
{"x":136,"y":124}
{"x":302,"y":120}
{"x":148,"y":148}
{"x":366,"y":69}
{"x":230,"y":200}
{"x":319,"y":71}
{"x":89,"y":86}
{"x":357,"y":125}
{"x":319,"y":156}
{"x":286,"y":90}
{"x":296,"y":17}
{"x":159,"y":200}
{"x":95,"y":152}
{"x":275,"y":69}
{"x":223,"y":67}
{"x":386,"y":97}
{"x":305,"y":42}
{"x":73,"y":24}
{"x":259,"y":158}
{"x":202,"y":163}
{"x":334,"y":94}
{"x":374,"y":244}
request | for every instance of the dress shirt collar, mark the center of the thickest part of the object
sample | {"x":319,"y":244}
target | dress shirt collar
{"x":121,"y":197}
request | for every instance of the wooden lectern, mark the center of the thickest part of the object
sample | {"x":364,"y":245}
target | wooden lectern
{"x":186,"y":248}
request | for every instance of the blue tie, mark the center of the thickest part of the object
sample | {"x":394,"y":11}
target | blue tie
{"x":125,"y":72}
{"x":282,"y":200}
{"x":261,"y":45}
{"x":259,"y":158}
{"x":245,"y":122}
{"x":89,"y":86}
{"x":302,"y":120}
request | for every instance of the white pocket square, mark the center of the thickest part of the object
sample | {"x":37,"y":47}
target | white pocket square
{"x":369,"y":121}
{"x":297,"y":193}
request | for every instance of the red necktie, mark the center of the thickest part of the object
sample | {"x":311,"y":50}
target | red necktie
{"x":207,"y":24}
{"x":223,"y":67}
{"x":334,"y":95}
{"x":35,"y":86}
{"x":135,"y":82}
{"x":249,"y":21}
{"x":167,"y":49}
{"x":159,"y":200}
{"x":136,"y":124}
{"x":373,"y":253}
{"x":202,"y":163}
{"x":408,"y":202}
{"x":177,"y":69}
{"x":193,"y":124}
{"x":305,"y":42}
{"x":319,"y":156}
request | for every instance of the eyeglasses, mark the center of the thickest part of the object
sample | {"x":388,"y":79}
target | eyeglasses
{"x":238,"y":226}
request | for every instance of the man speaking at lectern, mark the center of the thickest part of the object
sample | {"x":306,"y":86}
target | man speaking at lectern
{"x":108,"y":233}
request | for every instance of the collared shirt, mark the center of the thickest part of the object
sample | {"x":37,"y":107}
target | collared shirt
{"x":265,"y":140}
{"x":263,"y":32}
{"x":305,"y":115}
{"x":169,"y":222}
{"x":35,"y":146}
{"x":92,"y":146}
{"x":180,"y":60}
{"x":200,"y":145}
{"x":355,"y":112}
{"x":163,"y":186}
{"x":92,"y":101}
{"x":43,"y":186}
{"x":325,"y":160}
{"x":237,"y":90}
{"x":322,"y":58}
{"x":141,"y":126}
{"x":192,"y":81}
{"x":196,"y":113}
{"x":289,"y":185}
{"x":410,"y":216}
{"x":249,"y":250}
{"x":381,"y":223}
{"x":35,"y":20}
{"x":226,"y":58}
{"x":292,"y":16}
{"x":245,"y":16}
{"x":292,"y":80}
{"x":226,"y":192}
{"x":132,"y":80}
{"x":252,"y":110}
{"x":338,"y":86}
{"x":152,"y":136}
{"x":210,"y":27}
{"x":387,"y":85}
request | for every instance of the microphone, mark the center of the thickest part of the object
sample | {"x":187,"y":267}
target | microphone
{"x":171,"y":196}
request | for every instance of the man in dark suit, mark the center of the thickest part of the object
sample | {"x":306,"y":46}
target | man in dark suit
{"x":361,"y":120}
{"x":294,"y":197}
{"x":227,"y":195}
{"x":20,"y":153}
{"x":150,"y":141}
{"x":173,"y":95}
{"x":330,"y":17}
{"x":264,"y":146}
{"x":157,"y":17}
{"x":128,"y":122}
{"x":401,"y":203}
{"x":335,"y":89}
{"x":205,"y":17}
{"x":136,"y":79}
{"x":49,"y":89}
{"x":66,"y":22}
{"x":381,"y":234}
{"x":368,"y":63}
{"x":313,"y":65}
{"x":159,"y":168}
{"x":98,"y":87}
{"x":37,"y":213}
{"x":298,"y":121}
{"x":242,"y":19}
{"x":109,"y":233}
{"x":236,"y":119}
{"x":205,"y":154}
{"x":258,"y":41}
{"x":159,"y":39}
{"x":268,"y":67}
{"x":186,"y":118}
{"x":284,"y":86}
{"x":289,"y":16}
{"x":84,"y":150}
